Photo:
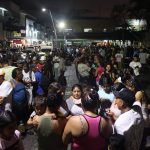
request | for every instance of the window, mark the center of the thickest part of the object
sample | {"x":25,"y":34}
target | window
{"x":88,"y":30}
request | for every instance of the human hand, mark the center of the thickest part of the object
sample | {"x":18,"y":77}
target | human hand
{"x":1,"y":99}
{"x":139,"y":96}
{"x":109,"y":113}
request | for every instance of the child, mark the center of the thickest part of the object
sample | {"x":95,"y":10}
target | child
{"x":40,"y":107}
{"x":10,"y":138}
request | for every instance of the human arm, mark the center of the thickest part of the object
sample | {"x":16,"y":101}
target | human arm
{"x":74,"y":128}
{"x":30,"y":120}
{"x":67,"y":134}
{"x":33,"y":121}
{"x":106,"y":128}
{"x":1,"y":100}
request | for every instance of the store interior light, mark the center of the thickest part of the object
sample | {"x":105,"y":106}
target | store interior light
{"x":136,"y":22}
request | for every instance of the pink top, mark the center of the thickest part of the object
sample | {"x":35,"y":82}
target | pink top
{"x":93,"y":139}
{"x":99,"y":73}
{"x":15,"y":143}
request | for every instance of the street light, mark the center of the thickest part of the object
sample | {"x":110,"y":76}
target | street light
{"x":44,"y":9}
{"x":52,"y":20}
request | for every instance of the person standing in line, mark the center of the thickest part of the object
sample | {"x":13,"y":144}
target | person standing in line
{"x":28,"y":79}
{"x":74,"y":101}
{"x":130,"y":123}
{"x":87,"y":131}
{"x":5,"y":92}
{"x":51,"y":124}
{"x":136,"y":66}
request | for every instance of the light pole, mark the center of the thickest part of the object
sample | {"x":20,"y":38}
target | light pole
{"x":52,"y":20}
{"x":62,"y":26}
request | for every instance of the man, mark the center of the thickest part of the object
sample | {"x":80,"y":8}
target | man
{"x":119,"y":58}
{"x":136,"y":66}
{"x":5,"y":92}
{"x":129,"y":123}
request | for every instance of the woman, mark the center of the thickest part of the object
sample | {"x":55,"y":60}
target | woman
{"x":87,"y":131}
{"x":98,"y":67}
{"x":109,"y":71}
{"x":74,"y":101}
{"x":51,"y":124}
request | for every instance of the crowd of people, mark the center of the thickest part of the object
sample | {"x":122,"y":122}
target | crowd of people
{"x":108,"y":108}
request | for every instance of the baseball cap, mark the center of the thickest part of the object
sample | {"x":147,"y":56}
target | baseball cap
{"x":126,"y":95}
{"x":2,"y":73}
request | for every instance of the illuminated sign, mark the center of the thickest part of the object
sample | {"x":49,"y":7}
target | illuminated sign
{"x":16,"y":34}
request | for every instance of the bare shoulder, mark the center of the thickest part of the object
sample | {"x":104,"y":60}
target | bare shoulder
{"x":74,"y":121}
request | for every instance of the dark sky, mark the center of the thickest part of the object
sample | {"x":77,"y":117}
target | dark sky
{"x":65,"y":8}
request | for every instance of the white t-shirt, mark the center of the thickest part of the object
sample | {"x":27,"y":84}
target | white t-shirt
{"x":5,"y":88}
{"x":129,"y":124}
{"x":103,"y":95}
{"x":56,"y":60}
{"x":119,"y":57}
{"x":135,"y":66}
{"x":73,"y":108}
{"x":27,"y":78}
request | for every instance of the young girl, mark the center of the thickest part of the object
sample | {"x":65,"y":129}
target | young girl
{"x":10,"y":138}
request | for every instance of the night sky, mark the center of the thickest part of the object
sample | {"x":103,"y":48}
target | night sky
{"x":66,"y":8}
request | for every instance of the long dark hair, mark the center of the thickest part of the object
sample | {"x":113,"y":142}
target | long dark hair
{"x":6,"y":118}
{"x":55,"y":97}
{"x":90,"y":100}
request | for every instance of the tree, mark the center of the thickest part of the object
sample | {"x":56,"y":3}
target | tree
{"x":119,"y":14}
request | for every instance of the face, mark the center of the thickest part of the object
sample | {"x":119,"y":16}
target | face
{"x":119,"y":103}
{"x":19,"y":75}
{"x":135,"y":59}
{"x":106,"y":88}
{"x":108,"y":68}
{"x":39,"y":110}
{"x":26,"y":69}
{"x":76,"y":93}
{"x":96,"y":59}
{"x":20,"y":66}
{"x":9,"y":130}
